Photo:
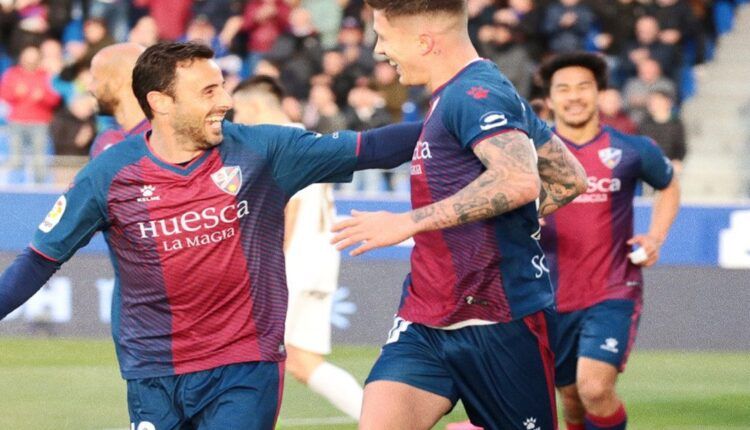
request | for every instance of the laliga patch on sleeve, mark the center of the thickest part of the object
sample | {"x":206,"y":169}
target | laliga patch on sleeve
{"x":54,"y":216}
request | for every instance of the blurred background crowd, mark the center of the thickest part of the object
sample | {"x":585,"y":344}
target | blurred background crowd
{"x":321,"y":50}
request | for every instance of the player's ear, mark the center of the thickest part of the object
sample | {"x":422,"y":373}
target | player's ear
{"x":426,"y":44}
{"x":548,"y":102}
{"x":160,"y":102}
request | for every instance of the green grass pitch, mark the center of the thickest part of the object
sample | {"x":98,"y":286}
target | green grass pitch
{"x":74,"y":384}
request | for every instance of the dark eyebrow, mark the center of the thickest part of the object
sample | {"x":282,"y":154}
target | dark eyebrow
{"x":210,"y":87}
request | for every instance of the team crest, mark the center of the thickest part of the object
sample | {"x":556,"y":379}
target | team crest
{"x":228,"y":179}
{"x":610,"y":157}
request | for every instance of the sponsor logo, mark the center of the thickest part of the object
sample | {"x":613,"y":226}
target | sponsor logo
{"x":54,"y":216}
{"x":143,"y":425}
{"x":598,"y":190}
{"x":228,"y":179}
{"x":540,"y":265}
{"x":610,"y":157}
{"x":610,"y":344}
{"x":193,"y":221}
{"x":422,"y":151}
{"x":478,"y":92}
{"x":147,"y":194}
{"x":530,"y":424}
{"x":492,"y":120}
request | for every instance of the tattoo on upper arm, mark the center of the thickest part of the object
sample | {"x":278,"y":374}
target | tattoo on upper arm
{"x":511,"y":169}
{"x":561,"y":176}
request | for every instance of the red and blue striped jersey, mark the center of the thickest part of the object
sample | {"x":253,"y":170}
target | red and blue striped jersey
{"x":196,"y":249}
{"x":489,"y":270}
{"x":108,"y":138}
{"x":586,"y":240}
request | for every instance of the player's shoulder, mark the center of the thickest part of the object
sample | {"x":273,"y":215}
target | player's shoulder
{"x":107,"y":164}
{"x":637,"y":142}
{"x":255,"y":137}
{"x":480,"y":80}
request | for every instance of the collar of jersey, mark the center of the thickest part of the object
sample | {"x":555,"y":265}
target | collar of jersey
{"x":477,"y":60}
{"x":176,"y":168}
{"x":574,"y":145}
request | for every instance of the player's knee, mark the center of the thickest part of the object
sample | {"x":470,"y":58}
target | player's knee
{"x":594,"y":391}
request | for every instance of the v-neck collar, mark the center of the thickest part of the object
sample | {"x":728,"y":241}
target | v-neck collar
{"x":175,"y":168}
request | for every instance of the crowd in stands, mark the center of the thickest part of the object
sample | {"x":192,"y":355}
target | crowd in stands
{"x":321,"y":50}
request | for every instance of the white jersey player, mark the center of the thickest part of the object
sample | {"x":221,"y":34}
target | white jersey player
{"x":312,"y":264}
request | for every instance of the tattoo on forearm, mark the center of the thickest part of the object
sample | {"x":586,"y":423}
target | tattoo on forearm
{"x":561,"y":176}
{"x":511,"y":171}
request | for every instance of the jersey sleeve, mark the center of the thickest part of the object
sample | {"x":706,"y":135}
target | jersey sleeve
{"x":656,"y":169}
{"x":476,"y":112}
{"x":300,"y":158}
{"x":539,"y":132}
{"x":72,"y":222}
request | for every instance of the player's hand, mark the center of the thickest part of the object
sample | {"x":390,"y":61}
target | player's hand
{"x":372,"y":230}
{"x":649,"y":244}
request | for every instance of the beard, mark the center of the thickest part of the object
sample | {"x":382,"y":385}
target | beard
{"x":579,"y":123}
{"x":194,"y":133}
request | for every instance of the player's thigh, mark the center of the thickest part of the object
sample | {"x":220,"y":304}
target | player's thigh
{"x":152,"y":405}
{"x":505,"y":372}
{"x":409,"y":375}
{"x":609,"y":330}
{"x":394,"y":405}
{"x":566,"y":347}
{"x":238,"y":396}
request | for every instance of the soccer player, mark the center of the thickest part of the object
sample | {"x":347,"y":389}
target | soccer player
{"x":312,"y":263}
{"x":474,"y":321}
{"x":111,"y":84}
{"x":599,"y":288}
{"x":192,"y":212}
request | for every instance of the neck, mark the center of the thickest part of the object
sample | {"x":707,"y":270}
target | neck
{"x":166,"y":145}
{"x":451,"y":60}
{"x":578,"y":135}
{"x":661,"y":117}
{"x":128,"y":113}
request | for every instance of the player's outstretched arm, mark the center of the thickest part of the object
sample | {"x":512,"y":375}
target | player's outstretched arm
{"x":666,"y":206}
{"x":24,"y":277}
{"x":563,"y":177}
{"x":510,"y":181}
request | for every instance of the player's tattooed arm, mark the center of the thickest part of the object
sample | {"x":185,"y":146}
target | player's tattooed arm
{"x":510,"y":181}
{"x":563,"y":177}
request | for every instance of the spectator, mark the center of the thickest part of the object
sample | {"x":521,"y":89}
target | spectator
{"x":52,"y":59}
{"x":647,"y":45}
{"x":28,"y":24}
{"x":27,"y":90}
{"x":336,"y":75}
{"x":525,"y":20}
{"x":612,"y":114}
{"x":171,"y":16}
{"x":359,"y":58}
{"x":636,"y":89}
{"x":144,"y":32}
{"x":115,"y":14}
{"x":567,"y":24}
{"x":73,"y":127}
{"x":298,"y":51}
{"x":676,"y":21}
{"x":264,"y":21}
{"x":96,"y":36}
{"x":327,"y":18}
{"x":666,"y":128}
{"x":498,"y":43}
{"x":480,"y":14}
{"x":321,"y":113}
{"x":217,"y":12}
{"x":394,"y":94}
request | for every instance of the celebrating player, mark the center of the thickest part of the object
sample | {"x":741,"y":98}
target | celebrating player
{"x":599,"y":288}
{"x":474,"y":320}
{"x":192,"y":213}
{"x":111,"y":84}
{"x":312,"y":264}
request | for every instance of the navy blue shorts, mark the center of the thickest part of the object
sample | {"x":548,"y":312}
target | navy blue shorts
{"x":604,"y":332}
{"x":236,"y":396}
{"x":503,"y":373}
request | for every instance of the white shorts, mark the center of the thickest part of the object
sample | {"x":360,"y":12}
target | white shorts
{"x":308,"y":318}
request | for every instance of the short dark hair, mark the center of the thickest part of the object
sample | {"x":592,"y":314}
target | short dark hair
{"x":262,"y":83}
{"x":393,"y":8}
{"x":594,"y":62}
{"x":156,"y":68}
